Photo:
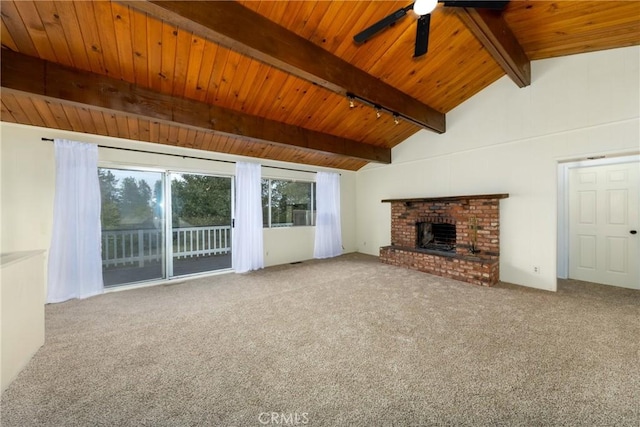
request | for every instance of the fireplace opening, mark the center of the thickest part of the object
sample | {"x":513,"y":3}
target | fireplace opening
{"x":436,"y":236}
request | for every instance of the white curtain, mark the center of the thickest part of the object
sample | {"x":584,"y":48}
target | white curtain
{"x":75,"y":263}
{"x":328,"y":241}
{"x":247,"y":233}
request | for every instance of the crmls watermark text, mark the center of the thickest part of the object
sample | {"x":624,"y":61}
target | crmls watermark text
{"x":282,"y":418}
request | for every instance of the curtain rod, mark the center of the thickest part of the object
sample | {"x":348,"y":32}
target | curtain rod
{"x":189,"y":157}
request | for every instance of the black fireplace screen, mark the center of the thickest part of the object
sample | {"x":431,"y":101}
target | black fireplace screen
{"x":436,"y":236}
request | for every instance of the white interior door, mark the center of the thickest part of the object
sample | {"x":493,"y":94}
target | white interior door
{"x":603,"y":224}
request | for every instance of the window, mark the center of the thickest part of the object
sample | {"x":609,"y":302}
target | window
{"x":288,"y":203}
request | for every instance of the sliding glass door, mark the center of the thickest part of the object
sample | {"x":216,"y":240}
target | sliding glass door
{"x":200,"y":223}
{"x":133,"y":225}
{"x":158,"y":225}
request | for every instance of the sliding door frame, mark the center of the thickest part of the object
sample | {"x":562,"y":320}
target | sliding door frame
{"x":169,"y":227}
{"x":167,"y":259}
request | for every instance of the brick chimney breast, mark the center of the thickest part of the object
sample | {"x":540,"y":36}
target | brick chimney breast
{"x":469,"y":253}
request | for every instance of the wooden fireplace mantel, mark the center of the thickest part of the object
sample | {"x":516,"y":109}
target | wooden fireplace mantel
{"x":449,"y":198}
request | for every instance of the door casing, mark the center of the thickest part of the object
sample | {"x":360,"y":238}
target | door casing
{"x":563,"y":204}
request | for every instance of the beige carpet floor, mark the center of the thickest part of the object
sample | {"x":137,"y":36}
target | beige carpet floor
{"x":341,"y":342}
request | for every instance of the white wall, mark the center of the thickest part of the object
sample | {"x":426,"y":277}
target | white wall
{"x":510,"y":140}
{"x":28,"y":179}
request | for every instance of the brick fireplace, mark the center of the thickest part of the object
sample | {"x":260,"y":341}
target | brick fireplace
{"x":456,"y":237}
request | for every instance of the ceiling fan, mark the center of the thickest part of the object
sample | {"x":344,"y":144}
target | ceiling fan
{"x":423,"y":9}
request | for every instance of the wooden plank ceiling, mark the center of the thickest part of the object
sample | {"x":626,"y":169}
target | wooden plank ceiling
{"x":150,"y":71}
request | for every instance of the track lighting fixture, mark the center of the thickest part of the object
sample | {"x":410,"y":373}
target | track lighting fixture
{"x":379,"y":109}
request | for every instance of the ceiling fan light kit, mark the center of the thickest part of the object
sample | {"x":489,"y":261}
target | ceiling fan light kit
{"x":423,"y":9}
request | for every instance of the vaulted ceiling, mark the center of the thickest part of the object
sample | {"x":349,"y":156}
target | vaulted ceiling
{"x":271,"y":79}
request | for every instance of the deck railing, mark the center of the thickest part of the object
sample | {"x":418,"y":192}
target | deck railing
{"x":131,"y":247}
{"x":198,"y":241}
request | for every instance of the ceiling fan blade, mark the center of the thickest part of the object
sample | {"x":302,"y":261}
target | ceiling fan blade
{"x":480,"y":4}
{"x":422,"y":35}
{"x":374,"y":29}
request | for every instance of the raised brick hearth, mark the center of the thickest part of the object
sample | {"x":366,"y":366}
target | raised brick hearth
{"x":475,"y":257}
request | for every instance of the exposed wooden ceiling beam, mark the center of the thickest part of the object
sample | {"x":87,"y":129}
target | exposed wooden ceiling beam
{"x":495,"y":35}
{"x":236,"y":27}
{"x":26,"y":74}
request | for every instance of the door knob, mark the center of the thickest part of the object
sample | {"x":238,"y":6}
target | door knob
{"x":633,"y":232}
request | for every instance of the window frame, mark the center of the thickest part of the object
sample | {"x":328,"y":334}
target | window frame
{"x":312,"y":197}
